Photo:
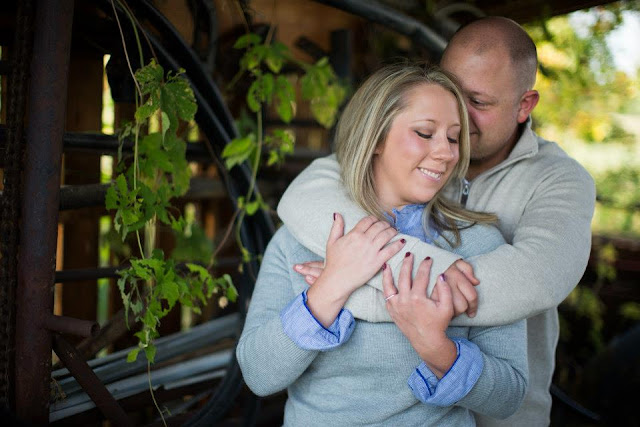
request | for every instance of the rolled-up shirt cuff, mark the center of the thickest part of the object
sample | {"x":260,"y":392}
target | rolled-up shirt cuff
{"x":308,"y":333}
{"x":455,"y":384}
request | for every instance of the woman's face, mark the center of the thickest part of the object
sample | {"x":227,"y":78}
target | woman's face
{"x":421,"y":149}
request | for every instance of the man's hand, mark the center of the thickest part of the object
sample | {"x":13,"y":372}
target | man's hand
{"x":460,"y":278}
{"x":310,"y":270}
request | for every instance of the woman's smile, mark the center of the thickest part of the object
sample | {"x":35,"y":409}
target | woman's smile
{"x":420,"y":150}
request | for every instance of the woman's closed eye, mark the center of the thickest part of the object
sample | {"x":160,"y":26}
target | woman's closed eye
{"x":423,"y":135}
{"x":452,"y":140}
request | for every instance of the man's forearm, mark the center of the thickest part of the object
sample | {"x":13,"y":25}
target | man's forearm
{"x":307,"y":209}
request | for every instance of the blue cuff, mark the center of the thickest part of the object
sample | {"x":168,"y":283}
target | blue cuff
{"x":309,"y":334}
{"x":456,"y":383}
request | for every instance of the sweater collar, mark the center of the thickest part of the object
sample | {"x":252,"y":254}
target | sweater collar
{"x":526,"y":147}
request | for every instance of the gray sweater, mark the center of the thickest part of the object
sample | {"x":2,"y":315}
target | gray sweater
{"x":545,"y":202}
{"x":364,"y":381}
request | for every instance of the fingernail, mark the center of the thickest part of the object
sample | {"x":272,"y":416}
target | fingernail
{"x":297,"y":266}
{"x":442,"y":277}
{"x":407,"y":254}
{"x":472,"y":315}
{"x":334,"y":216}
{"x":403,"y":241}
{"x":384,"y":266}
{"x":427,"y":258}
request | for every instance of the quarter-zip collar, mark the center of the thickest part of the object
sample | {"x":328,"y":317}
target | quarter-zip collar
{"x":526,"y":147}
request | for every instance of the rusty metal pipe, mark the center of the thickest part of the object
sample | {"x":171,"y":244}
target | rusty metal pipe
{"x":36,"y":265}
{"x":90,"y":383}
{"x":73,"y":326}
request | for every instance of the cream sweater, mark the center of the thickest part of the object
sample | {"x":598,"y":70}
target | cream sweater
{"x":545,"y":203}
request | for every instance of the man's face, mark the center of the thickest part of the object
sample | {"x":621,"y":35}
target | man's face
{"x":492,"y":96}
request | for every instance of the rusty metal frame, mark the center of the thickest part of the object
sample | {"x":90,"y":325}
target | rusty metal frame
{"x":35,"y":321}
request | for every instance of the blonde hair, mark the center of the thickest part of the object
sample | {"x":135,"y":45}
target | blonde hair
{"x":365,"y":124}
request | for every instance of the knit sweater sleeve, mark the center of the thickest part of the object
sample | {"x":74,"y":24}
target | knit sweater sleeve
{"x":307,"y":208}
{"x":269,"y":360}
{"x":501,"y":387}
{"x":548,"y":252}
{"x":535,"y":272}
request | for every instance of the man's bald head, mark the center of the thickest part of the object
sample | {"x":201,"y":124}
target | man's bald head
{"x":497,"y":33}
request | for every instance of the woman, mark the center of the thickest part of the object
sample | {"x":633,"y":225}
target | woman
{"x":402,"y":137}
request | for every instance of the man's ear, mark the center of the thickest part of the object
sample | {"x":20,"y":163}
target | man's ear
{"x":528,"y":102}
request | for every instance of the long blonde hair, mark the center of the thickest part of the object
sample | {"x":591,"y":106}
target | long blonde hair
{"x":365,"y":124}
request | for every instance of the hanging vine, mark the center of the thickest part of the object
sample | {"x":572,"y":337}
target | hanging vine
{"x":264,"y":61}
{"x":158,"y":172}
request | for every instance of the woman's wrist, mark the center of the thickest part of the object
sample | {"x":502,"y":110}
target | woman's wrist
{"x":439,"y":354}
{"x":325,"y":300}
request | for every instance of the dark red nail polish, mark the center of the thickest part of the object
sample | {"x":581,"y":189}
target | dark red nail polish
{"x":403,"y":241}
{"x":442,"y":277}
{"x":334,"y":216}
{"x":427,"y":258}
{"x":407,"y":254}
{"x":384,"y":266}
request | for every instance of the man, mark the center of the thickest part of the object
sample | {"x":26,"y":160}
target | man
{"x":543,"y":198}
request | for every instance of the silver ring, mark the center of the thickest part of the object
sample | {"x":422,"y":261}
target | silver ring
{"x":390,"y":296}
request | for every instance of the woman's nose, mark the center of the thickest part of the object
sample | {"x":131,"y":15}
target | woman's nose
{"x":443,"y":149}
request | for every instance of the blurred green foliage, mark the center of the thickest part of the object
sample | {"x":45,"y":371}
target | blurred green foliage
{"x":576,"y":79}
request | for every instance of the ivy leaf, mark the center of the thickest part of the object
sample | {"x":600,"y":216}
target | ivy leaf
{"x":146,"y":110}
{"x":325,"y":108}
{"x":252,"y":58}
{"x":178,"y":101}
{"x":132,"y":356}
{"x":317,"y":77}
{"x":232,"y":292}
{"x":238,"y":150}
{"x":285,"y":96}
{"x":247,"y":40}
{"x":168,"y":290}
{"x":150,"y":77}
{"x":275,"y":56}
{"x":166,"y":123}
{"x":181,"y":95}
{"x":261,"y":90}
{"x":150,"y":352}
{"x":252,"y":207}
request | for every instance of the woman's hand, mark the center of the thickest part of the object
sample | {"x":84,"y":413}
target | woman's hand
{"x":421,"y":319}
{"x":352,"y":260}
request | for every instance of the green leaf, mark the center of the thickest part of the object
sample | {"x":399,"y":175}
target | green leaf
{"x":132,"y":356}
{"x":165,"y":125}
{"x":247,"y":40}
{"x":240,"y":202}
{"x":285,"y":99}
{"x":252,"y":207}
{"x":146,"y":110}
{"x":252,"y":58}
{"x":181,"y":98}
{"x":150,"y":77}
{"x":150,"y":352}
{"x":169,"y":290}
{"x":238,"y":150}
{"x":275,"y":56}
{"x":232,"y":292}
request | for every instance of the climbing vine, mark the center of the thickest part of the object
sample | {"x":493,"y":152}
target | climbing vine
{"x":141,"y":196}
{"x":263,"y":61}
{"x":158,"y":172}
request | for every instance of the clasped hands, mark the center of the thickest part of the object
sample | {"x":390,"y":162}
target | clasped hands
{"x":354,"y":258}
{"x":371,"y":235}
